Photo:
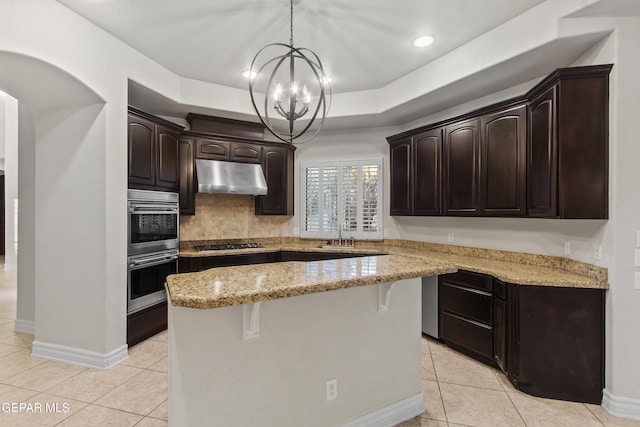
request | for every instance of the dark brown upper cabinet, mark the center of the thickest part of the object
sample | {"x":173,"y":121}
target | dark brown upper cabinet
{"x":503,"y":162}
{"x":142,"y":167}
{"x":545,"y":154}
{"x":245,"y":152}
{"x":402,"y":167}
{"x":277,"y":164}
{"x":153,"y":161}
{"x":568,"y":158}
{"x":542,"y":159}
{"x":427,"y":163}
{"x":212,"y":149}
{"x":462,"y":167}
{"x":415,"y":174}
{"x":187,"y":176}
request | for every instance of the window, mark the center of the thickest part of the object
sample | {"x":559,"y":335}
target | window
{"x":342,"y":198}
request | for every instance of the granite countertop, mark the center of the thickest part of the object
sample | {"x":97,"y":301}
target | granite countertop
{"x":394,"y":260}
{"x":227,"y":286}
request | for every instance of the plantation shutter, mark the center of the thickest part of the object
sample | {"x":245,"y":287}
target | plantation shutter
{"x":342,"y":198}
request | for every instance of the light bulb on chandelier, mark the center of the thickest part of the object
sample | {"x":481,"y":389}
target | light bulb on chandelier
{"x":279,"y":78}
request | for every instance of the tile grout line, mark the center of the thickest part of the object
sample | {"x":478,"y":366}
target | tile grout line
{"x":512,"y":402}
{"x":594,"y":415}
{"x":444,"y":408}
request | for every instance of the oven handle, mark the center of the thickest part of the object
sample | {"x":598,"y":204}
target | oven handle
{"x":150,"y":262}
{"x":152,"y":209}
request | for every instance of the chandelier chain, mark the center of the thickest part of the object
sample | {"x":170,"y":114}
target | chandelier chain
{"x":291,"y":21}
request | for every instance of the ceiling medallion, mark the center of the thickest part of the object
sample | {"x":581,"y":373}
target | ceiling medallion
{"x":295,"y":87}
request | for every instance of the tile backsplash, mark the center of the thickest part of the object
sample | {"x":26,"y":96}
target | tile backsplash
{"x":225,"y":216}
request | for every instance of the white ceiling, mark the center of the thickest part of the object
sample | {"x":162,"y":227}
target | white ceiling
{"x":363,"y":44}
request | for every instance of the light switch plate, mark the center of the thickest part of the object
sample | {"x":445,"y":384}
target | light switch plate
{"x":636,"y":258}
{"x":636,"y":280}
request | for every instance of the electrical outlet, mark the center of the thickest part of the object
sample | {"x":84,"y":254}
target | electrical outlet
{"x":597,"y":253}
{"x":567,"y":247}
{"x":332,"y":389}
{"x":636,"y":257}
{"x":450,"y":237}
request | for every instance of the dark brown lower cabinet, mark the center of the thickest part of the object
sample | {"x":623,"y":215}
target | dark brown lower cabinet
{"x":548,"y":340}
{"x":499,"y":324}
{"x":466,"y":313}
{"x":146,"y":323}
{"x":556,"y":348}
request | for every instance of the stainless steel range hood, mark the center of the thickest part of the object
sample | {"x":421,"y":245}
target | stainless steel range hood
{"x":215,"y":176}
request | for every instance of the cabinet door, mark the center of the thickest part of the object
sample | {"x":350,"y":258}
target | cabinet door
{"x":401,"y":200}
{"x":427,"y":162}
{"x":187,"y":176}
{"x":583,"y":149}
{"x":167,"y":175}
{"x":277,"y":164}
{"x":503,"y":162}
{"x":499,"y":326}
{"x":462,"y":167}
{"x":212,"y":149}
{"x":560,"y":342}
{"x":141,"y":154}
{"x":245,"y":152}
{"x":542,"y":165}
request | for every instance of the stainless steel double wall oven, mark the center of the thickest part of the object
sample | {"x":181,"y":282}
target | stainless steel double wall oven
{"x":153,"y":229}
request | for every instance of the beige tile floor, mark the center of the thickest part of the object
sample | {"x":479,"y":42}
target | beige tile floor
{"x":458,"y":391}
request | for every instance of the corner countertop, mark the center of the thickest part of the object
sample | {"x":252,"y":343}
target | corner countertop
{"x":390,"y":261}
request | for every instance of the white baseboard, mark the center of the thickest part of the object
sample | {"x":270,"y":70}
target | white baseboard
{"x":78,"y":356}
{"x":391,"y":415}
{"x":24,"y":326}
{"x":10,"y":266}
{"x":620,"y":406}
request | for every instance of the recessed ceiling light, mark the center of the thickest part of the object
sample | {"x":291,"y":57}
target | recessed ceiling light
{"x":248,"y":74}
{"x":423,"y":41}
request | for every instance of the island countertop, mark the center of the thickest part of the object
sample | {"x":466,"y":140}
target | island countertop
{"x":228,"y":286}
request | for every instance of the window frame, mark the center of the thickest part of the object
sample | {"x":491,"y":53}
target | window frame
{"x":339,"y":165}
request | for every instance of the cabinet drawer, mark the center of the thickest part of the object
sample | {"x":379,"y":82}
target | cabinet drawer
{"x":466,"y":333}
{"x":470,"y":280}
{"x":471,"y":303}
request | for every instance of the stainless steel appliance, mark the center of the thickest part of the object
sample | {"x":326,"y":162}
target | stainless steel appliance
{"x":147,"y":275}
{"x":430,"y":306}
{"x":154,"y":220}
{"x":215,"y":176}
{"x":153,"y":228}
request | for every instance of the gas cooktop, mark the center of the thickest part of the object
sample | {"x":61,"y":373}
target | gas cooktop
{"x":226,"y":246}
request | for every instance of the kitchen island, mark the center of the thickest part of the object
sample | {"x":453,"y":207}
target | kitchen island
{"x":262,"y":344}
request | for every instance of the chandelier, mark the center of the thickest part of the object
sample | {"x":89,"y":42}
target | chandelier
{"x":295,"y":87}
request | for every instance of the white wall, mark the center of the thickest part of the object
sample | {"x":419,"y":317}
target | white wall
{"x":25,"y":306}
{"x":73,"y":180}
